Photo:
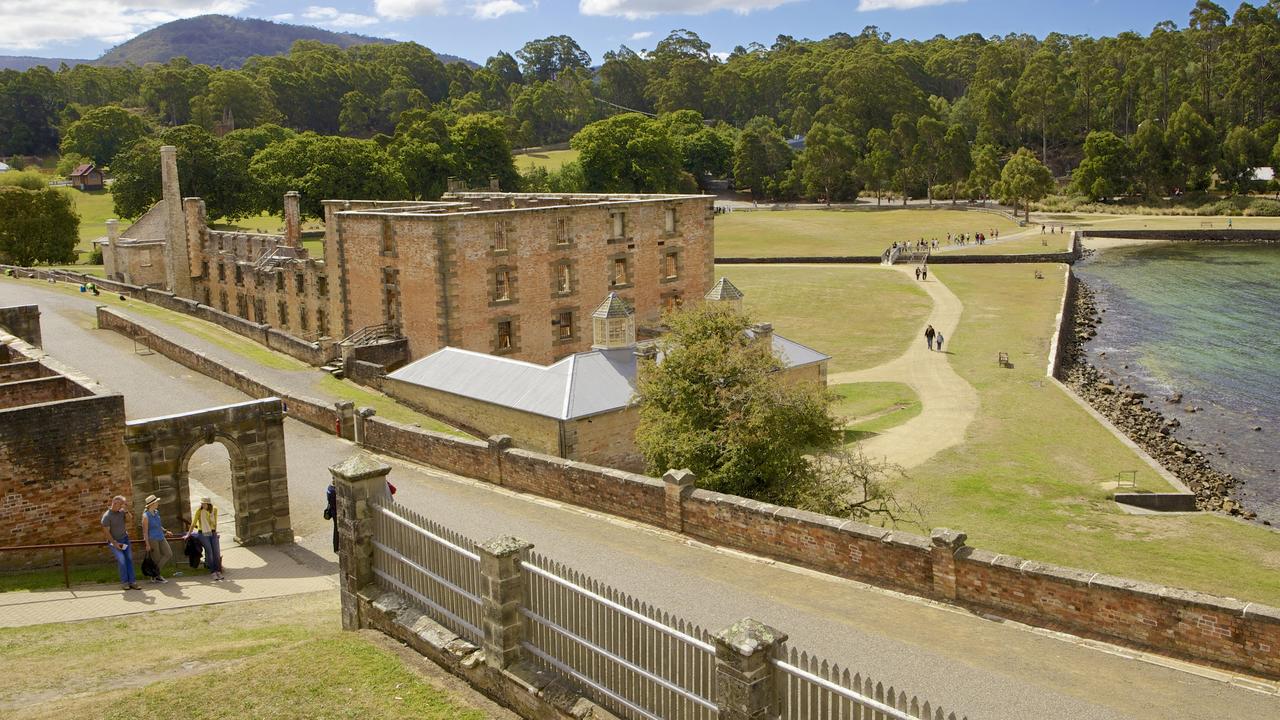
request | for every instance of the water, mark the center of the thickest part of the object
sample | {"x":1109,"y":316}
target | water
{"x":1202,"y":320}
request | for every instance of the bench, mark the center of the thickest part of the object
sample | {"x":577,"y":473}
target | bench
{"x":1002,"y":359}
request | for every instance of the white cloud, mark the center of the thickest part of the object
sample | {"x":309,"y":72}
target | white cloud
{"x":36,"y":24}
{"x":491,"y":9}
{"x":333,"y":17}
{"x":870,"y":5}
{"x":404,"y":9}
{"x":640,"y":9}
{"x":641,"y":35}
{"x":282,"y":17}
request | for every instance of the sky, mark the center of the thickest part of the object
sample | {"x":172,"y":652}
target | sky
{"x":476,"y":29}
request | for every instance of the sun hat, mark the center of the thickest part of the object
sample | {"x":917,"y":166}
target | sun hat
{"x":206,"y":500}
{"x":151,"y":500}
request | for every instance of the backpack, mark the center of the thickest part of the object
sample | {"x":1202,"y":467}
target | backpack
{"x":149,"y":567}
{"x":193,"y":551}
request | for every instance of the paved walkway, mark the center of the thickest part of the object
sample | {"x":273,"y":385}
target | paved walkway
{"x":985,"y":668}
{"x":948,"y":402}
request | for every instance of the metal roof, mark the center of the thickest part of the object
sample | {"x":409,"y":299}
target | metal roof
{"x":612,"y":307}
{"x":581,"y":385}
{"x":724,"y":290}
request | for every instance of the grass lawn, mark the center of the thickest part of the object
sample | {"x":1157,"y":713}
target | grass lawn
{"x":95,"y":207}
{"x":1032,"y":243}
{"x":1085,"y":221}
{"x":810,"y":233}
{"x":280,"y":658}
{"x":1027,"y":481}
{"x":873,"y":407}
{"x":861,"y":316}
{"x":264,"y":223}
{"x":552,"y":160}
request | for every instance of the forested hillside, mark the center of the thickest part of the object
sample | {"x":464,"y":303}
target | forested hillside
{"x":1179,"y":108}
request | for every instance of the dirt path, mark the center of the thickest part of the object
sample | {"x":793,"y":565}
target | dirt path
{"x":949,"y":403}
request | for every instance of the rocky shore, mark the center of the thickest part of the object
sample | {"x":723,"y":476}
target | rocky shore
{"x":1151,"y":430}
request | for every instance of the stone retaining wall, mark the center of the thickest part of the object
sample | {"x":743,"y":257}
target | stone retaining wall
{"x":1220,"y":631}
{"x":1236,"y":235}
{"x":1064,"y":326}
{"x":22,"y":321}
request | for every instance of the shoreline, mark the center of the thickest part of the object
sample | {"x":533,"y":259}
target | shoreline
{"x":1150,"y":429}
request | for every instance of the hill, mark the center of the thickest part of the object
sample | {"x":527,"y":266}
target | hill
{"x":216,"y":40}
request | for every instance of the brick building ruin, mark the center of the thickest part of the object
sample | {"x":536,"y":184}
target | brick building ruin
{"x":499,"y":273}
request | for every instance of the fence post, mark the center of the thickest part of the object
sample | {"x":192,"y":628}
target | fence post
{"x":357,"y":480}
{"x":503,"y":592}
{"x":745,"y":687}
{"x":946,"y":543}
{"x":346,"y":419}
{"x":498,"y":444}
{"x":679,"y":483}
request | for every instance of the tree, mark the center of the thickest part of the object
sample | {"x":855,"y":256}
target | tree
{"x":1106,"y":168}
{"x":234,"y":96}
{"x":1041,"y":97}
{"x":325,"y":167}
{"x":826,"y":166}
{"x":929,"y":153}
{"x":206,"y":168}
{"x":760,"y":157}
{"x":1241,"y":152}
{"x":628,"y":153}
{"x":37,"y":226}
{"x":717,"y":405}
{"x":1151,"y":165}
{"x":1191,"y":143}
{"x":880,"y":163}
{"x":546,"y":58}
{"x":1024,"y":178}
{"x":957,"y":158}
{"x":103,"y":132}
{"x":480,"y":150}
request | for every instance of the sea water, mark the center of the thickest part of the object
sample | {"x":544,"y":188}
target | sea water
{"x":1203,"y":320}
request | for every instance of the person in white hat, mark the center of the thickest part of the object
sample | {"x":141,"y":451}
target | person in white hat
{"x":205,"y":527}
{"x":154,"y":535}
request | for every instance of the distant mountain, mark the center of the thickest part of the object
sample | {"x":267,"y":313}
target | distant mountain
{"x":217,"y":40}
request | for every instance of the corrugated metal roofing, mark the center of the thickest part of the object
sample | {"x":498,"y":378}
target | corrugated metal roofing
{"x":82,"y":170}
{"x":581,"y":385}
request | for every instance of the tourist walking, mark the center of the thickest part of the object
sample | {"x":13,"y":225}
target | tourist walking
{"x":924,"y":272}
{"x":929,"y":332}
{"x":331,"y":511}
{"x":917,"y":274}
{"x":937,"y":339}
{"x":153,"y":534}
{"x":205,"y":527}
{"x":115,"y":527}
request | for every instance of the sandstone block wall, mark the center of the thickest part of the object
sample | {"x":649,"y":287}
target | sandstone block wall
{"x":607,"y":439}
{"x":22,"y":321}
{"x":479,"y":418}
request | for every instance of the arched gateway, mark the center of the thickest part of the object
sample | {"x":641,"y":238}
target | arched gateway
{"x":253,"y":434}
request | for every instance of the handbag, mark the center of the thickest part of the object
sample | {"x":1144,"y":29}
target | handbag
{"x":149,"y":567}
{"x":193,"y":551}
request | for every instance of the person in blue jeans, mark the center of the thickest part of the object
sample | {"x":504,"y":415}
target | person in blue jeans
{"x":114,"y":525}
{"x":205,"y":527}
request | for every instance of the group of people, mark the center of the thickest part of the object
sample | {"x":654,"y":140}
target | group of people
{"x":203,"y":530}
{"x":933,"y":338}
{"x":975,"y":238}
{"x":922,"y":272}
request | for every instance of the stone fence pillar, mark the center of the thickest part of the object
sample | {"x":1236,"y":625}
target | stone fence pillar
{"x":346,"y":419}
{"x":498,"y":444}
{"x":744,"y":675}
{"x":679,"y":483}
{"x":503,"y":591}
{"x":946,"y":543}
{"x":358,"y":480}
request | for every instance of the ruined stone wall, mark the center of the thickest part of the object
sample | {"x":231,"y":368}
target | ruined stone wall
{"x":40,"y":390}
{"x":22,"y":321}
{"x":415,"y":256}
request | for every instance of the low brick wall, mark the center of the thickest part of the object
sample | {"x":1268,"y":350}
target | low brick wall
{"x":40,"y":390}
{"x":1221,"y":631}
{"x":316,"y":413}
{"x":22,"y":321}
{"x":23,"y":370}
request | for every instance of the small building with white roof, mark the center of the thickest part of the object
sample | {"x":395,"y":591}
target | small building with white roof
{"x":579,"y":408}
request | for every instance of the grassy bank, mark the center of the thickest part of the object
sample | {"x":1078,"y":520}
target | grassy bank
{"x":861,"y":316}
{"x":873,"y":407}
{"x":810,"y":233}
{"x":282,"y":658}
{"x":552,"y":160}
{"x":1086,"y":221}
{"x":1028,"y":481}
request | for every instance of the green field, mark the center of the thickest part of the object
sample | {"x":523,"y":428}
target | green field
{"x":871,"y":408}
{"x":552,"y":160}
{"x":94,"y":208}
{"x":1028,"y":481}
{"x":1085,"y":221}
{"x":860,"y":315}
{"x":1020,"y":244}
{"x":812,"y":233}
{"x":279,"y":658}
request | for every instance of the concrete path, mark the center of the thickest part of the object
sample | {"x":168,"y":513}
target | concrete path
{"x":986,"y":668}
{"x":949,"y":403}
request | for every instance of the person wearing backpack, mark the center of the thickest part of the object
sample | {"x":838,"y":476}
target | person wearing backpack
{"x":205,"y":527}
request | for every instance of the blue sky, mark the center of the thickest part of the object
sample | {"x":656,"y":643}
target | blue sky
{"x":475,"y":29}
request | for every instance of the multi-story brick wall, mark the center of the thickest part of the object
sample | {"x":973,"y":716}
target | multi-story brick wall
{"x":516,"y":274}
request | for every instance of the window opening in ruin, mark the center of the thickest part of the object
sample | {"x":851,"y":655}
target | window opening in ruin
{"x":280,"y":281}
{"x":502,"y":285}
{"x":282,"y":311}
{"x":620,"y":271}
{"x":222,"y":298}
{"x":242,"y":306}
{"x":322,"y":284}
{"x":500,"y":236}
{"x":239,"y":275}
{"x":565,"y":321}
{"x":564,"y":278}
{"x":388,"y":240}
{"x":618,"y":219}
{"x":204,"y":271}
{"x":562,"y":231}
{"x":222,"y":274}
{"x":322,"y":322}
{"x":669,"y":221}
{"x":671,"y":265}
{"x":504,"y":335}
{"x":300,"y":283}
{"x":302,"y":318}
{"x":670,"y":303}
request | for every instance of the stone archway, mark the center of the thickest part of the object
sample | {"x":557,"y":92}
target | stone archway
{"x":253,"y":434}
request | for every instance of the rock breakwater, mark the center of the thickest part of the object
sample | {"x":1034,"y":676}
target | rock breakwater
{"x":1147,"y":427}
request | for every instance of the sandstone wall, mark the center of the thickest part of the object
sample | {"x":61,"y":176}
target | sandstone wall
{"x":531,"y":431}
{"x":22,"y":321}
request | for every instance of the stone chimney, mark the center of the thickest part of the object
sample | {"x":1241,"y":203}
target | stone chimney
{"x":293,"y":219}
{"x":109,"y":252}
{"x":762,"y":333}
{"x":493,"y":184}
{"x":177,"y":263}
{"x":613,"y":325}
